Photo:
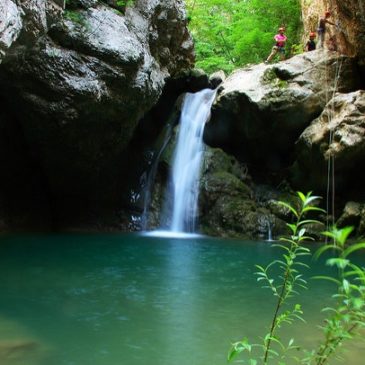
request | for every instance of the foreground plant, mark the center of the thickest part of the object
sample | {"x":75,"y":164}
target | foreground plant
{"x":344,"y":320}
{"x":347,"y":318}
{"x":285,"y":286}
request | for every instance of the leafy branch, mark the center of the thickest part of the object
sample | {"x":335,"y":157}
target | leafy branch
{"x":348,"y":316}
{"x":345,"y":320}
{"x":289,"y":281}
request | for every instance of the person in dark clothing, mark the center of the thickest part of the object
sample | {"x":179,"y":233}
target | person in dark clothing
{"x":311,"y":44}
{"x":322,"y":28}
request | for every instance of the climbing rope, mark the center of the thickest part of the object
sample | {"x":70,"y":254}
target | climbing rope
{"x":331,"y":183}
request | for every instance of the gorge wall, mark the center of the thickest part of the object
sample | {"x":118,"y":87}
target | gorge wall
{"x":349,"y":19}
{"x":74,"y":84}
{"x":85,"y":92}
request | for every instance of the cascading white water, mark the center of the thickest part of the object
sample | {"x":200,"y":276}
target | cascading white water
{"x":188,"y":158}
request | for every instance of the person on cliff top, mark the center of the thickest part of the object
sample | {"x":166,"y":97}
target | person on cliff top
{"x":311,"y":44}
{"x":323,"y":21}
{"x":279,"y":46}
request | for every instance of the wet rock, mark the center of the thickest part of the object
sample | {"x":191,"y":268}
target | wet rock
{"x":216,"y":79}
{"x":19,"y":352}
{"x":351,"y":215}
{"x":228,"y":205}
{"x":11,"y":349}
{"x":188,"y":80}
{"x":361,"y":226}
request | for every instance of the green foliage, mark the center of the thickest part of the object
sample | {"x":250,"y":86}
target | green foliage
{"x":287,"y":284}
{"x":231,"y":33}
{"x":124,"y":3}
{"x":345,"y":319}
{"x":120,"y":5}
{"x":296,"y":49}
{"x":75,"y":17}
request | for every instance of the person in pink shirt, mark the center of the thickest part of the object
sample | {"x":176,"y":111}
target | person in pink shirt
{"x":280,"y":40}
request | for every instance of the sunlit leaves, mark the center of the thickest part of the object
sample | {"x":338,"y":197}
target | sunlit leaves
{"x":237,"y":348}
{"x":283,"y":278}
{"x":239,"y":32}
{"x":347,"y":317}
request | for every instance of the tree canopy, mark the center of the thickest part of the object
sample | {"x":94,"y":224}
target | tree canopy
{"x":233,"y":33}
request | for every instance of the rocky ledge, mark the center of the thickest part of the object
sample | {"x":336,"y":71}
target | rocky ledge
{"x":284,"y":123}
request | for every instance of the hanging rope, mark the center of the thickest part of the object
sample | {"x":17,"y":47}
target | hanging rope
{"x":331,"y":183}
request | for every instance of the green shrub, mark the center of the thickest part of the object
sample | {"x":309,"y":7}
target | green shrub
{"x":344,"y":320}
{"x":230,"y":33}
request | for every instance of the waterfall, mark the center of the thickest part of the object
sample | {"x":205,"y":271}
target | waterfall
{"x":187,"y":160}
{"x":269,"y":232}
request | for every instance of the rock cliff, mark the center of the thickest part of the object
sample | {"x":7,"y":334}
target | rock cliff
{"x":85,"y":89}
{"x":348,"y":33}
{"x":262,"y":110}
{"x":74,"y":84}
{"x":290,"y":124}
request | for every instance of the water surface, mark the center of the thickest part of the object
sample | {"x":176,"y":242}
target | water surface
{"x":134,"y":300}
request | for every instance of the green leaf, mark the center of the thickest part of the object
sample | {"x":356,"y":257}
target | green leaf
{"x":353,"y":248}
{"x":328,"y":278}
{"x":339,"y":235}
{"x":339,"y":262}
{"x":237,"y":348}
{"x":302,"y":197}
{"x":308,"y":221}
{"x":323,"y":249}
{"x":346,"y":285}
{"x":311,"y":208}
{"x":288,"y":206}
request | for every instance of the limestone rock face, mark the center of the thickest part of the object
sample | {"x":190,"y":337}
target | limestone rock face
{"x":349,"y":18}
{"x":263,"y":109}
{"x":10,"y":25}
{"x":78,"y":81}
{"x":338,"y":133}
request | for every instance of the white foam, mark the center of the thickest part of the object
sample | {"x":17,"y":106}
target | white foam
{"x":171,"y":234}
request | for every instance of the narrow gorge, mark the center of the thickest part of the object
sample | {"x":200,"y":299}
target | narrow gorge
{"x":87,"y":92}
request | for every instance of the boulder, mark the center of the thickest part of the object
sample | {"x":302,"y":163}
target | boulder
{"x":10,"y":25}
{"x":262,"y":110}
{"x":351,"y":214}
{"x":229,"y":206}
{"x":216,"y":78}
{"x":78,"y":81}
{"x":338,"y":134}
